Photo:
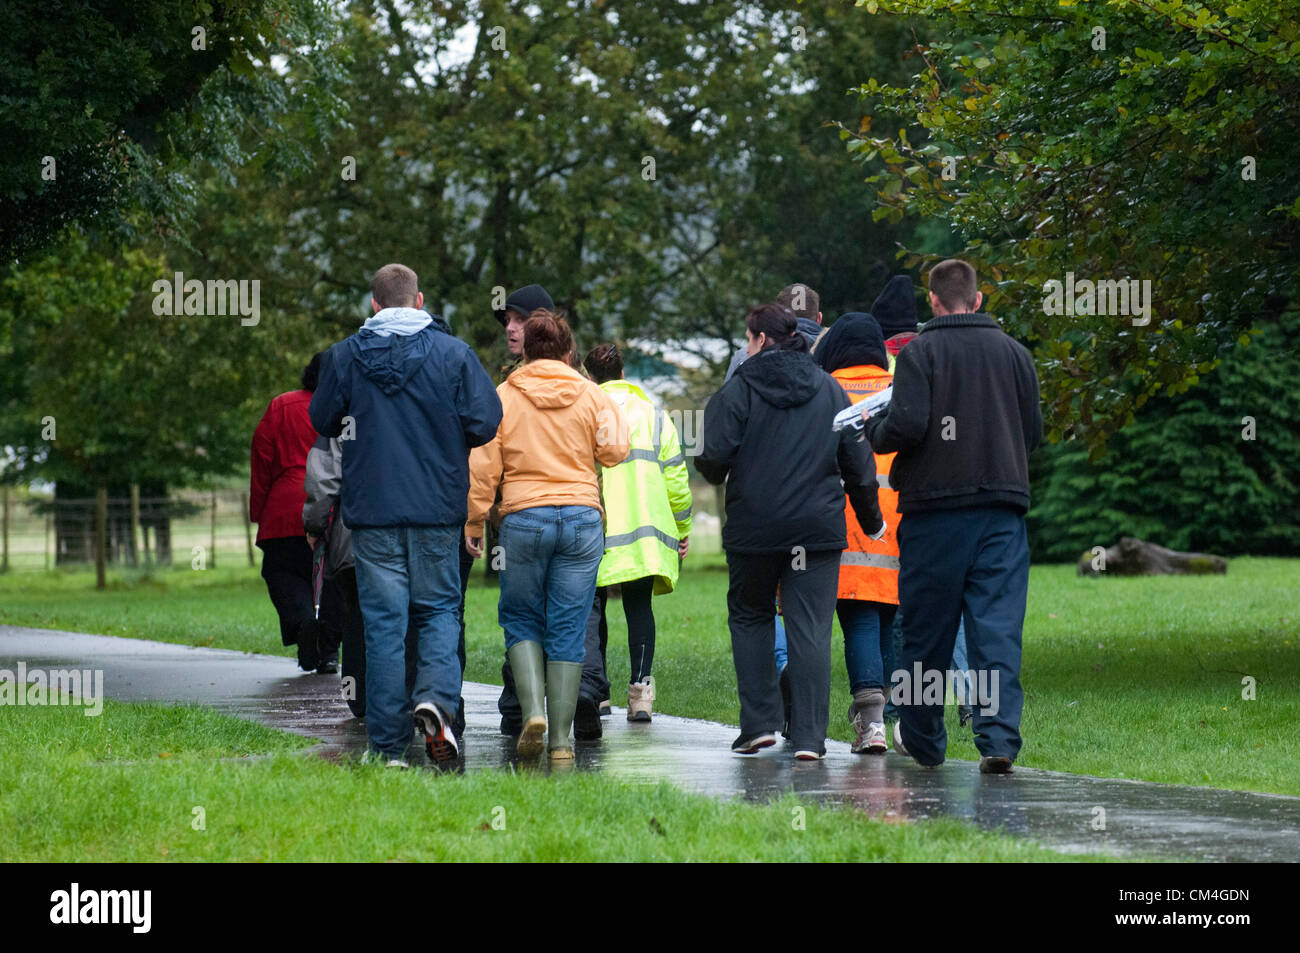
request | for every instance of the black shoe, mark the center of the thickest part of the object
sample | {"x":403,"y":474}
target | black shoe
{"x":511,"y":727}
{"x":439,"y":739}
{"x":965,"y":714}
{"x":308,"y":645}
{"x":586,"y":720}
{"x":995,"y":766}
{"x":750,"y":744}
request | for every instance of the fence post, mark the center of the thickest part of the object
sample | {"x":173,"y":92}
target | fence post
{"x":248,"y":532}
{"x":101,"y":535}
{"x":135,"y":524}
{"x":212,"y":535}
{"x":4,"y":521}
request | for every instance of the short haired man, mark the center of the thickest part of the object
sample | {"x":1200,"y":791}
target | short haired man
{"x":964,"y":418}
{"x":407,"y":401}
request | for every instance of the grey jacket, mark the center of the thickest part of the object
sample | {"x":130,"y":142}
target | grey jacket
{"x":324,"y":484}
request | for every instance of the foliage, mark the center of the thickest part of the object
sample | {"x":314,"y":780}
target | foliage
{"x":1215,"y":470}
{"x":1112,"y":156}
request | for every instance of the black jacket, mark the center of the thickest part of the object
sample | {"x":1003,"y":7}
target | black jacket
{"x":767,"y":432}
{"x":964,"y":417}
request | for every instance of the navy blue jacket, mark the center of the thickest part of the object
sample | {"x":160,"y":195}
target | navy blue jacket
{"x":418,"y":403}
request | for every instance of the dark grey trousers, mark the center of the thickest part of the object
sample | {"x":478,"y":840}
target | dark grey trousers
{"x":808,"y":586}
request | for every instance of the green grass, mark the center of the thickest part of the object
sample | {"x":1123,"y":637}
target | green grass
{"x":1125,"y":677}
{"x":134,"y":783}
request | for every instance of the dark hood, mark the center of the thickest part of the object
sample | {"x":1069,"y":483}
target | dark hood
{"x":390,"y":360}
{"x":781,"y":377}
{"x":895,"y":309}
{"x":854,"y":339}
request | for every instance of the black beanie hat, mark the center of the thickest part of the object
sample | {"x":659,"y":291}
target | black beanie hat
{"x":895,"y":309}
{"x":853,"y":340}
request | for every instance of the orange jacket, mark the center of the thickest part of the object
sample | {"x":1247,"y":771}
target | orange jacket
{"x":869,"y":568}
{"x":555,"y":427}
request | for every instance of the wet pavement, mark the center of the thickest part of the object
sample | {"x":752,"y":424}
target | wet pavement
{"x":1068,"y":812}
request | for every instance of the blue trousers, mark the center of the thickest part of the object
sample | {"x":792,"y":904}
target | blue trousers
{"x":408,"y":573}
{"x":970,"y":565}
{"x":548,"y":577}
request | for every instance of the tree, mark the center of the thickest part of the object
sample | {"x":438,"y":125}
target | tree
{"x":1147,"y":139}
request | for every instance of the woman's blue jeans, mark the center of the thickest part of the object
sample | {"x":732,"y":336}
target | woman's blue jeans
{"x":550,"y":557}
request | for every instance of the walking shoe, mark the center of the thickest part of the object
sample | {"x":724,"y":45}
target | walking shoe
{"x":750,"y":744}
{"x":640,"y":699}
{"x":586,"y":720}
{"x":898,"y":746}
{"x":605,"y":709}
{"x":439,"y":739}
{"x":808,"y":755}
{"x":995,"y":765}
{"x":870,"y":736}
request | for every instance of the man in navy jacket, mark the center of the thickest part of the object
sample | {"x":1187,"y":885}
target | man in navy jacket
{"x":407,"y":400}
{"x":964,"y":418}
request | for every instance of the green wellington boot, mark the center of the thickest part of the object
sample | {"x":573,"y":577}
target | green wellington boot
{"x":530,"y":686}
{"x":562,"y":680}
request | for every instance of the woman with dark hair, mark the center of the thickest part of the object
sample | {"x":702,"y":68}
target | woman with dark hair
{"x":556,"y":425}
{"x":853,"y":352}
{"x":647,"y":501}
{"x":767,"y":434}
{"x":275,"y":503}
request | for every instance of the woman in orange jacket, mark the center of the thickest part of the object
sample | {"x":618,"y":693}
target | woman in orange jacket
{"x":556,"y":425}
{"x":853,"y":352}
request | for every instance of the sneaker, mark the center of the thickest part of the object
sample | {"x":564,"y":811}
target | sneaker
{"x":750,"y":744}
{"x":640,"y":699}
{"x":374,"y":757}
{"x":439,"y":739}
{"x":995,"y":765}
{"x":898,"y":739}
{"x":586,"y":720}
{"x":808,"y":755}
{"x":397,"y":763}
{"x":605,"y":709}
{"x":870,"y":736}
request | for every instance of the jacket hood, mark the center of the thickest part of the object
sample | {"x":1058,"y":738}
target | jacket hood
{"x":393,"y":349}
{"x":895,"y":309}
{"x":810,"y":330}
{"x":782,"y":377}
{"x":622,"y":385}
{"x":548,"y":384}
{"x":853,"y":340}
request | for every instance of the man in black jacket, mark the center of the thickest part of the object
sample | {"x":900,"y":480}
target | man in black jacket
{"x":964,"y":419}
{"x":767,"y":433}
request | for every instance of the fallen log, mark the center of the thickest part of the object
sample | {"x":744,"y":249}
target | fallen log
{"x":1136,"y":557}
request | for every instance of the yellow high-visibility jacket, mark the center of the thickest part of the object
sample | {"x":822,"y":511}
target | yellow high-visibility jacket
{"x":647,"y":497}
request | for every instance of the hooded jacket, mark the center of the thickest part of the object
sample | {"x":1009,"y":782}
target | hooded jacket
{"x":416,"y":400}
{"x":556,"y":425}
{"x":964,"y":417}
{"x":768,"y":434}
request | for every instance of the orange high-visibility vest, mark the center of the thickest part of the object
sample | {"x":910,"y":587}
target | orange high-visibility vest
{"x":869,"y":568}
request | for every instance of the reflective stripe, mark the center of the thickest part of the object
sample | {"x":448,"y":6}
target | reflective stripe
{"x":875,"y":560}
{"x":882,"y":481}
{"x":622,"y":539}
{"x":673,"y":461}
{"x":683,"y":516}
{"x":647,"y":455}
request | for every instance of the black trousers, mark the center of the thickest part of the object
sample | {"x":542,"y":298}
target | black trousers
{"x":286,"y":567}
{"x":808,"y":584}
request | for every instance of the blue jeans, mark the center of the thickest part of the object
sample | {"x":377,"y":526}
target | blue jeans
{"x":866,"y":628}
{"x":408,"y":572}
{"x":961,"y":668}
{"x":782,"y":652}
{"x":970,"y":565}
{"x":551,"y":555}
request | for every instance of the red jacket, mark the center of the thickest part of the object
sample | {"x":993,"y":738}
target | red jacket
{"x":280,"y":444}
